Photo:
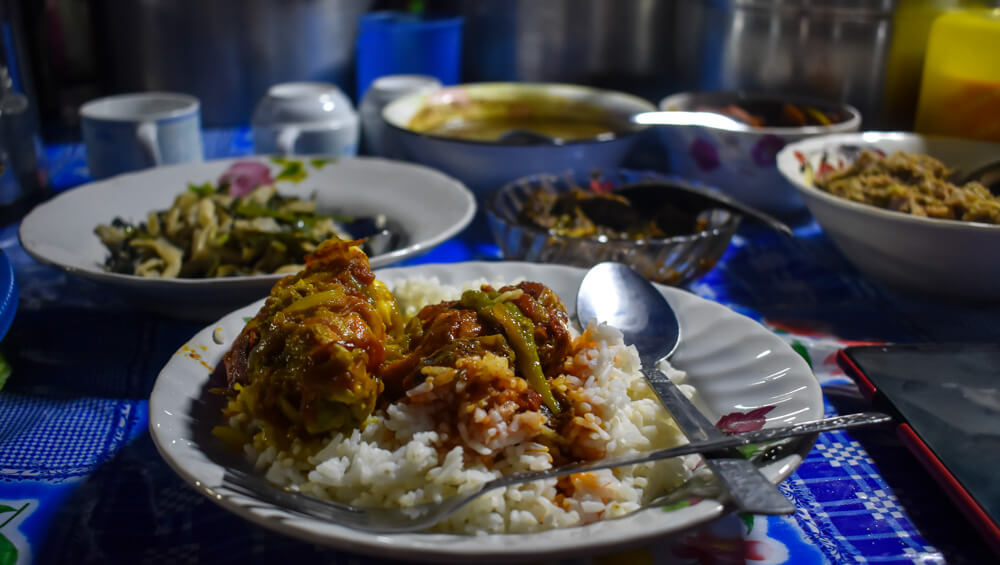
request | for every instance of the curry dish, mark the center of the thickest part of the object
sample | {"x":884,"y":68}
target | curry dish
{"x":488,"y":119}
{"x":913,"y":184}
{"x":330,"y":345}
{"x":343,"y":389}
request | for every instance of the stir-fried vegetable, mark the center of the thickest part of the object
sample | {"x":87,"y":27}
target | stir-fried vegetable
{"x":227,"y":229}
{"x":520,"y":334}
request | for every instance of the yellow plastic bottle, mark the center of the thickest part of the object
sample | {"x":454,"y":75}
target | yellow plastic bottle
{"x":910,"y":28}
{"x":960,"y":85}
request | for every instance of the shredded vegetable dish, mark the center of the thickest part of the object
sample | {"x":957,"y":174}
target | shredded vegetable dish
{"x":238,"y":226}
{"x":910,"y":183}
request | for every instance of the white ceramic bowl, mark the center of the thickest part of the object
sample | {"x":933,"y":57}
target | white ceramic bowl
{"x":944,"y":258}
{"x":306,"y":118}
{"x":742,"y":164}
{"x":484,"y":166}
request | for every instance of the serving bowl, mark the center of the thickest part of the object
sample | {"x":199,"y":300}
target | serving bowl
{"x":951,"y":259}
{"x":674,"y":260}
{"x":742,"y":163}
{"x":457,"y":129}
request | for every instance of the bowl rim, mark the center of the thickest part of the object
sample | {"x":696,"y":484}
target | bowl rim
{"x":851,"y":124}
{"x":791,"y":168}
{"x":583,"y":89}
{"x":730,"y":223}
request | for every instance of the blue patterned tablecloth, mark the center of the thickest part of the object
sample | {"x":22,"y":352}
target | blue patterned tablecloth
{"x":80,"y":481}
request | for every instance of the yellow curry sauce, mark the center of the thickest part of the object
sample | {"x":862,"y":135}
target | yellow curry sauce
{"x":487,"y":119}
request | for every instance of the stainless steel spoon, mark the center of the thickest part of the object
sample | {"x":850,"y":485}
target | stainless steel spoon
{"x":381,"y":235}
{"x":988,"y":175}
{"x":650,"y":194}
{"x":616,"y":294}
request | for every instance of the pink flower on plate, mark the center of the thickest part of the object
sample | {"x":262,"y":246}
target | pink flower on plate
{"x":738,"y":422}
{"x":244,"y":176}
{"x":705,"y":155}
{"x":765,"y":151}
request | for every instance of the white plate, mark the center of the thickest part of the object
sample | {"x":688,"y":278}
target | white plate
{"x":735,"y":363}
{"x":429,"y":206}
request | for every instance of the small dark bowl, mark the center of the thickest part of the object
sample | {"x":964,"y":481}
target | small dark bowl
{"x":673,"y":260}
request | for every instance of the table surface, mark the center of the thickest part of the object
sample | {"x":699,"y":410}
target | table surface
{"x":81,"y":482}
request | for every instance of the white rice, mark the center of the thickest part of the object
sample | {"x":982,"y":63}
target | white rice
{"x":394,"y":460}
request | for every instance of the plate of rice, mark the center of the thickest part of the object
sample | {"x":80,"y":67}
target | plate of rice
{"x":432,"y":438}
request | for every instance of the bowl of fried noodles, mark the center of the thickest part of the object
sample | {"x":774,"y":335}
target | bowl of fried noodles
{"x":895,"y":205}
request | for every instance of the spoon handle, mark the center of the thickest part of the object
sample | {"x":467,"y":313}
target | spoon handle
{"x":749,"y":489}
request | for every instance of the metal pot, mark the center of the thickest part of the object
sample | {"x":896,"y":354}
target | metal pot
{"x":629,"y":45}
{"x":227,"y":52}
{"x":831,"y":49}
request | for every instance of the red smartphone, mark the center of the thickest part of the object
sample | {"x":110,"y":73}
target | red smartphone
{"x":946,"y":398}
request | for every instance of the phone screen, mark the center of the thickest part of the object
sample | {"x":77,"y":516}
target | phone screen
{"x":950,"y":396}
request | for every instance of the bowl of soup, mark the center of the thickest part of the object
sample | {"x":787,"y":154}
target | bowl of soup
{"x":487,"y":134}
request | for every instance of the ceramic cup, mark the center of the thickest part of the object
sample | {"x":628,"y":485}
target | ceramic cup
{"x":383,"y":91}
{"x":306,"y":118}
{"x":128,"y":132}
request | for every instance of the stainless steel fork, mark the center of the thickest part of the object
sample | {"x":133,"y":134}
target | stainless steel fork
{"x":416,"y":518}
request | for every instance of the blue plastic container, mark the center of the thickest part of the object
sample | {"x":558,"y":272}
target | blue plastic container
{"x":391,"y":42}
{"x":8,"y":294}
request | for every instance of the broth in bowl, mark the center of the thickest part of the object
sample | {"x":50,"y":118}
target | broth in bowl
{"x":488,"y":118}
{"x":492,"y":129}
{"x":460,"y":129}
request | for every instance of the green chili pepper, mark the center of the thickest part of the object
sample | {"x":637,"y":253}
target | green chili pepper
{"x":301,"y":222}
{"x":521,"y":335}
{"x":202,"y":189}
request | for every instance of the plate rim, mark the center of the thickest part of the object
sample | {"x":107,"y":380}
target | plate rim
{"x":389,"y":546}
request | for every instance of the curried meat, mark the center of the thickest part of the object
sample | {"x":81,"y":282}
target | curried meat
{"x":330,"y":344}
{"x":306,"y":362}
{"x":440,"y":334}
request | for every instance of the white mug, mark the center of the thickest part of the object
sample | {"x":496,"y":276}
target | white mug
{"x":306,"y":118}
{"x":128,"y":132}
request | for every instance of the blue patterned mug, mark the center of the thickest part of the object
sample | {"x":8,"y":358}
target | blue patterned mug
{"x":128,"y":132}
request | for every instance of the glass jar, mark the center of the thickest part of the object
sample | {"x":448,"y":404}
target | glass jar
{"x":23,"y":182}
